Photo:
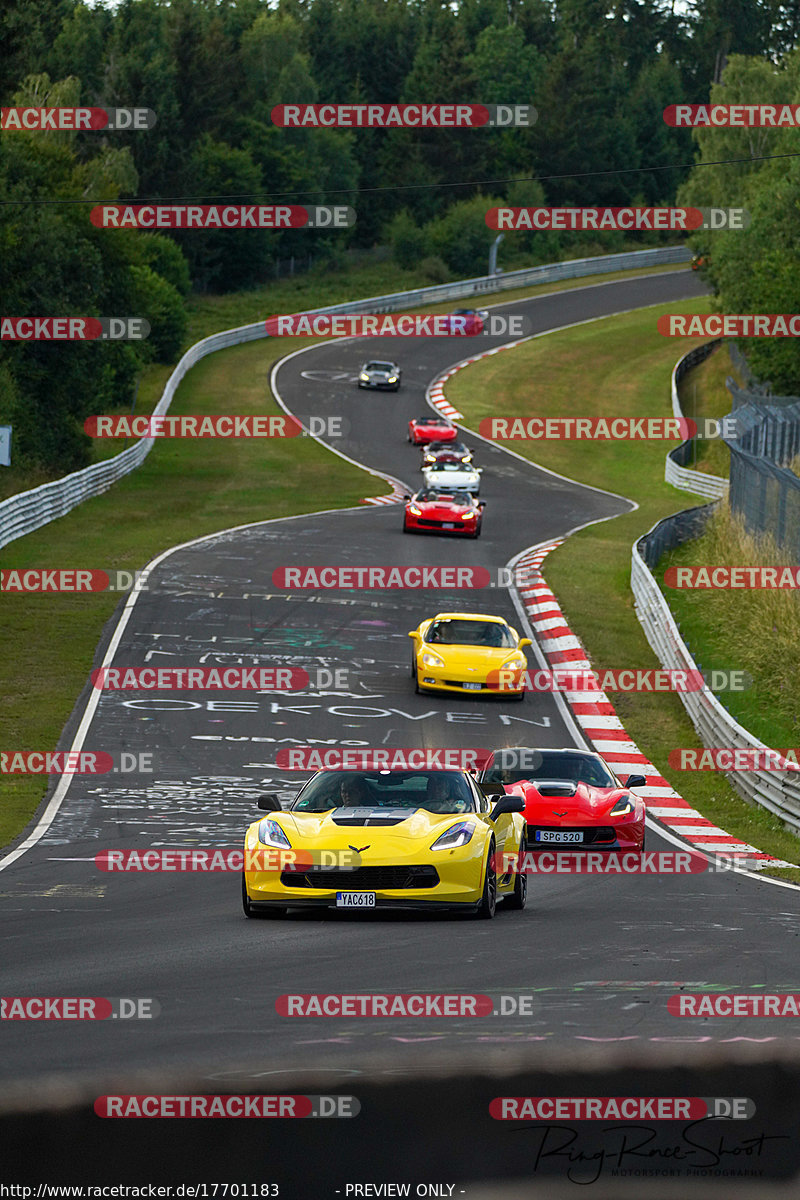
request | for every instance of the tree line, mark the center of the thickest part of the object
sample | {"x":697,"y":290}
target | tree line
{"x":599,"y":75}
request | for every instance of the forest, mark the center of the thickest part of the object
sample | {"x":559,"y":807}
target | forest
{"x":600,"y":76}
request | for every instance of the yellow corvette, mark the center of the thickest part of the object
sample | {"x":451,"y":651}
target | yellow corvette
{"x":462,"y":652}
{"x":378,"y":839}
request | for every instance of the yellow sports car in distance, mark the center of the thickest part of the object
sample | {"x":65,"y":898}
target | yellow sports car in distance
{"x":387,"y":839}
{"x":463,"y":652}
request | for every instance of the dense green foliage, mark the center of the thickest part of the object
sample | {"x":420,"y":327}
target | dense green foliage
{"x":212,"y":70}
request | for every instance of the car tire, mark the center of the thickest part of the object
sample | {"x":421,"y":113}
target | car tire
{"x":258,"y":914}
{"x":519,"y":697}
{"x":488,"y":902}
{"x":405,"y":528}
{"x":516,"y":901}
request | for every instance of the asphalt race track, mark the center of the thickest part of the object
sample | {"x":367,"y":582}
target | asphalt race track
{"x":600,"y":954}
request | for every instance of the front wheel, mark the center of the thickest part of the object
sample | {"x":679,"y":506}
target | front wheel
{"x":256,"y":914}
{"x":519,"y":896}
{"x":488,"y":903}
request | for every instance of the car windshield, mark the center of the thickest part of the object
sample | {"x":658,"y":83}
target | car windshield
{"x":446,"y":448}
{"x":448,"y":468}
{"x":464,"y":632}
{"x":454,"y":497}
{"x":578,"y":768}
{"x":379,"y":366}
{"x":437,"y":791}
{"x":433,"y":421}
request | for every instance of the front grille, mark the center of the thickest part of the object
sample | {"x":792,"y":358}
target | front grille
{"x":592,"y":834}
{"x":364,"y":879}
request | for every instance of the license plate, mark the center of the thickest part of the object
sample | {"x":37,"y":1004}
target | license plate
{"x":448,"y":525}
{"x":355,"y":899}
{"x":473,"y":687}
{"x":547,"y":836}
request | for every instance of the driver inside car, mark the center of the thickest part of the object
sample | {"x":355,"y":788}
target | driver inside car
{"x":444,"y":796}
{"x":353,"y":793}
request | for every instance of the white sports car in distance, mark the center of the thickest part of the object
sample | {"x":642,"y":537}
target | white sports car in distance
{"x":461,"y":476}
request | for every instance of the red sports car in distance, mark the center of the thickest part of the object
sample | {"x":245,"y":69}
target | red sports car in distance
{"x":445,"y":452}
{"x":422,"y":430}
{"x":573,"y":800}
{"x":434,"y":510}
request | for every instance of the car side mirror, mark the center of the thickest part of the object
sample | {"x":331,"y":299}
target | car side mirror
{"x":479,"y":470}
{"x":412,"y":633}
{"x":524,"y":642}
{"x":269,"y":802}
{"x":635,"y":781}
{"x":507,"y":804}
{"x":406,"y":497}
{"x":481,"y":504}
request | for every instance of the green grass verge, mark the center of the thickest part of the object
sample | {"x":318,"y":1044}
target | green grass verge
{"x":753,"y":630}
{"x":702,"y":393}
{"x":184,"y":489}
{"x":628,"y":365}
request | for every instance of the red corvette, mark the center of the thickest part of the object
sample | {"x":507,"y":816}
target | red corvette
{"x":435,"y":510}
{"x":430,"y":429}
{"x":572,"y":798}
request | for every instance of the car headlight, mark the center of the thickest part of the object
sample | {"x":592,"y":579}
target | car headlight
{"x":415,"y":512}
{"x":467,"y":516}
{"x":271,"y":834}
{"x":455,"y":836}
{"x":364,"y":376}
{"x":515,"y":664}
{"x":623,"y":808}
{"x":392,"y":379}
{"x":430,"y":659}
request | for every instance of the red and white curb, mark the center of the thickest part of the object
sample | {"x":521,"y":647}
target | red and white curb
{"x":595,"y":714}
{"x":435,"y":394}
{"x":394,"y":497}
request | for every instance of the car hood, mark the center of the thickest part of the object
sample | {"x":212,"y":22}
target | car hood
{"x":442,"y":509}
{"x":341,"y":828}
{"x":579,"y":802}
{"x":479,"y":657}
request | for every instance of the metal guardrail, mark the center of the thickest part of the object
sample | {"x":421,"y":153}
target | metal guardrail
{"x":675,"y":470}
{"x":779,"y":792}
{"x":27,"y":511}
